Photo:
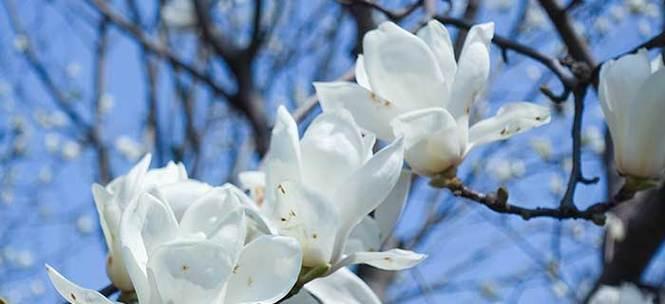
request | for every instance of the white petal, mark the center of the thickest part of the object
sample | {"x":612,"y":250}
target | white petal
{"x":643,"y":150}
{"x":102,"y":199}
{"x":433,"y":140}
{"x":393,"y":259}
{"x":74,"y":293}
{"x":511,"y":119}
{"x":302,"y":297}
{"x":252,"y":211}
{"x":657,"y":63}
{"x":388,"y":212}
{"x":418,"y":125}
{"x":309,"y":218}
{"x":219,"y":216}
{"x":131,"y":185}
{"x":146,"y":223}
{"x":332,"y":144}
{"x":402,"y":69}
{"x":181,"y":195}
{"x":261,"y":278}
{"x":361,"y":74}
{"x":365,"y":236}
{"x":619,"y":83}
{"x":342,"y":286}
{"x":171,"y":173}
{"x":190,"y":271}
{"x":472,"y":69}
{"x":354,"y":201}
{"x":437,"y":38}
{"x":370,"y":111}
{"x":283,"y":160}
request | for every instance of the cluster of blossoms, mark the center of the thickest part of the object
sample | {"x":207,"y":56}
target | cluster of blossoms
{"x":325,"y":201}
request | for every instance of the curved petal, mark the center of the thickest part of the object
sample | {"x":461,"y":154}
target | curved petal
{"x":473,"y":69}
{"x":102,"y":199}
{"x":171,"y":173}
{"x":342,"y":286}
{"x":283,"y":161}
{"x":438,"y":39}
{"x":393,"y":259}
{"x":434,"y":141}
{"x":353,"y":200}
{"x":181,"y":195}
{"x":73,"y":293}
{"x":619,"y":83}
{"x":130,"y":185}
{"x":511,"y":119}
{"x":370,"y":111}
{"x":365,"y":236}
{"x":657,"y":63}
{"x":402,"y":69}
{"x":258,"y":278}
{"x":146,"y":223}
{"x":309,"y":218}
{"x":332,"y":144}
{"x":361,"y":74}
{"x":257,"y":221}
{"x":418,"y":125}
{"x":643,"y":150}
{"x":219,"y":216}
{"x":388,"y":212}
{"x":190,"y":271}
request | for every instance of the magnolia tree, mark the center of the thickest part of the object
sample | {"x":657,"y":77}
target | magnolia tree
{"x":316,"y":216}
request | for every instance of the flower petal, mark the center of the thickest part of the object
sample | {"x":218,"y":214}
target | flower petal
{"x":332,"y":144}
{"x":365,"y":236}
{"x":74,"y":293}
{"x":361,"y":74}
{"x":473,"y":69}
{"x":353,"y":200}
{"x":219,"y":216}
{"x":401,"y":68}
{"x":342,"y":286}
{"x":393,"y":259}
{"x":432,"y":138}
{"x":308,"y":217}
{"x":190,"y":271}
{"x":129,"y":187}
{"x":146,"y":223}
{"x":512,"y":118}
{"x":258,"y":278}
{"x":418,"y":125}
{"x":283,"y":161}
{"x":438,"y":39}
{"x":171,"y":173}
{"x":370,"y":111}
{"x":181,"y":195}
{"x":643,"y":150}
{"x":388,"y":212}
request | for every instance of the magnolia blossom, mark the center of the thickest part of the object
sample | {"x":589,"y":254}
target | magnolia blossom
{"x":632,"y":96}
{"x":206,"y":258}
{"x":410,"y":86}
{"x":170,"y":183}
{"x":319,"y":188}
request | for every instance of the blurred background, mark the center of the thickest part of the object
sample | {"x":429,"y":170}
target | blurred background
{"x":89,"y":86}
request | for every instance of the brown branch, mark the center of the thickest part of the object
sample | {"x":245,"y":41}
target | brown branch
{"x":498,"y":202}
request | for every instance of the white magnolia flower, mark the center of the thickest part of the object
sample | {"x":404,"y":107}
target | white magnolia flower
{"x":632,"y":96}
{"x":411,"y":86}
{"x":625,"y":294}
{"x":342,"y":286}
{"x":170,"y":183}
{"x":321,"y":187}
{"x":202,"y":259}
